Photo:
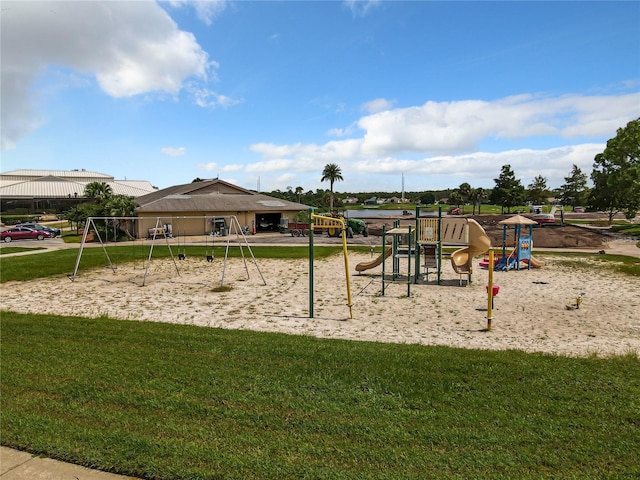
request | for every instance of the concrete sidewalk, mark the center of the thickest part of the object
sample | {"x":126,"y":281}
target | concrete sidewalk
{"x":17,"y":465}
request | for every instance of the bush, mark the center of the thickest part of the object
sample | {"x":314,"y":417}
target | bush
{"x":15,"y":219}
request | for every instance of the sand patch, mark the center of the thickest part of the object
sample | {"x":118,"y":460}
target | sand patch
{"x":529,"y":311}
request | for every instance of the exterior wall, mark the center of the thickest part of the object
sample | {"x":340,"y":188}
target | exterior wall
{"x":181,"y":224}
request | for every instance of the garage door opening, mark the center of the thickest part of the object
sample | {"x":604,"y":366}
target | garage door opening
{"x":267,"y":222}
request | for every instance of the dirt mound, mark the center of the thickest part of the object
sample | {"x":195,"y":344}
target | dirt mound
{"x":549,"y":236}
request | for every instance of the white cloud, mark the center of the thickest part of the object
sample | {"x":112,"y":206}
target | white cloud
{"x":130,"y":48}
{"x":208,"y":167}
{"x":232,"y":168}
{"x":285,"y":179}
{"x":204,"y":97}
{"x":444,"y":139}
{"x":213,"y":166}
{"x":206,"y":10}
{"x":456,"y":127}
{"x":275,"y":165}
{"x":174,"y":152}
{"x":482,"y":167}
{"x":360,"y":8}
{"x":377,"y":105}
{"x":438,"y":172}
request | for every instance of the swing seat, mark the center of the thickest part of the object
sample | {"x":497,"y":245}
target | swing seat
{"x":209,"y":258}
{"x":182,"y":256}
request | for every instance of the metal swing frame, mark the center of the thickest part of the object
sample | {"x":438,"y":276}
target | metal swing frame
{"x":234,"y":228}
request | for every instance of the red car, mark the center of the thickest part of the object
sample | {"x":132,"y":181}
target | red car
{"x":543,"y":218}
{"x":23,"y":233}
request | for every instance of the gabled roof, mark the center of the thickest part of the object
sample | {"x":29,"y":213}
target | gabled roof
{"x":64,"y":183}
{"x":195,"y":188}
{"x":43,"y":189}
{"x":211,"y":196}
{"x":50,"y":188}
{"x":26,"y":175}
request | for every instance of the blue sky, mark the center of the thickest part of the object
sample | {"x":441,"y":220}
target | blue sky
{"x":265,"y":94}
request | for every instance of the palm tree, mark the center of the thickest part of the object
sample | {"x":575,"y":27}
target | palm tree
{"x":477,"y":196}
{"x":98,"y":190}
{"x":120,"y":206}
{"x":465,"y":193}
{"x":455,"y":198}
{"x":332,"y":173}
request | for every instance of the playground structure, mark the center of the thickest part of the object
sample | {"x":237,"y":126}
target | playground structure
{"x":361,"y":267}
{"x":167,"y":228}
{"x":424,"y":241}
{"x":353,"y":227}
{"x":478,"y":242}
{"x":521,"y":247}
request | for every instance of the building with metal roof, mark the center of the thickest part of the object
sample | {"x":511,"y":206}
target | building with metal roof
{"x":190,"y":208}
{"x":55,"y":191}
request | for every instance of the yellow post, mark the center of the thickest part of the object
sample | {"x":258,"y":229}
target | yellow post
{"x":490,"y":291}
{"x":331,"y":222}
{"x":346,"y":268}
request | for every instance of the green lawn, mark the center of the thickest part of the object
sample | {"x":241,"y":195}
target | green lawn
{"x":163,"y":401}
{"x":168,"y":401}
{"x":4,"y":250}
{"x":617,"y":263}
{"x":627,"y":229}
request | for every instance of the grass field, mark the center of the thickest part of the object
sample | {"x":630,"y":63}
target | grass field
{"x":165,"y":401}
{"x":627,"y":229}
{"x":7,"y":250}
{"x":618,"y":263}
{"x":171,"y":401}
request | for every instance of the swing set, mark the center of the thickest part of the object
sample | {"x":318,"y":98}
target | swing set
{"x":99,"y":228}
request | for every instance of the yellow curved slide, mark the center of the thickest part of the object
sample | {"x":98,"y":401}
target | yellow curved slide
{"x":361,"y":267}
{"x":535,"y":263}
{"x":479,"y":243}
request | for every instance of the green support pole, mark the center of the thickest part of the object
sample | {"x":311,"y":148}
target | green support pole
{"x":439,"y":242}
{"x":396,"y":260}
{"x":409,"y":242}
{"x":310,"y":264}
{"x":417,"y":269}
{"x":384,"y":251}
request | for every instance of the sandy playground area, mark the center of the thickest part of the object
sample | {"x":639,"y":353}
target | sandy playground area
{"x":530,"y":311}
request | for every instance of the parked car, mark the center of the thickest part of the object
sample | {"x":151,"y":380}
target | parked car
{"x":23,"y":233}
{"x":54,"y":232}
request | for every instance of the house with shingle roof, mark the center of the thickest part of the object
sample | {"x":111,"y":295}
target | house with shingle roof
{"x":184,"y":206}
